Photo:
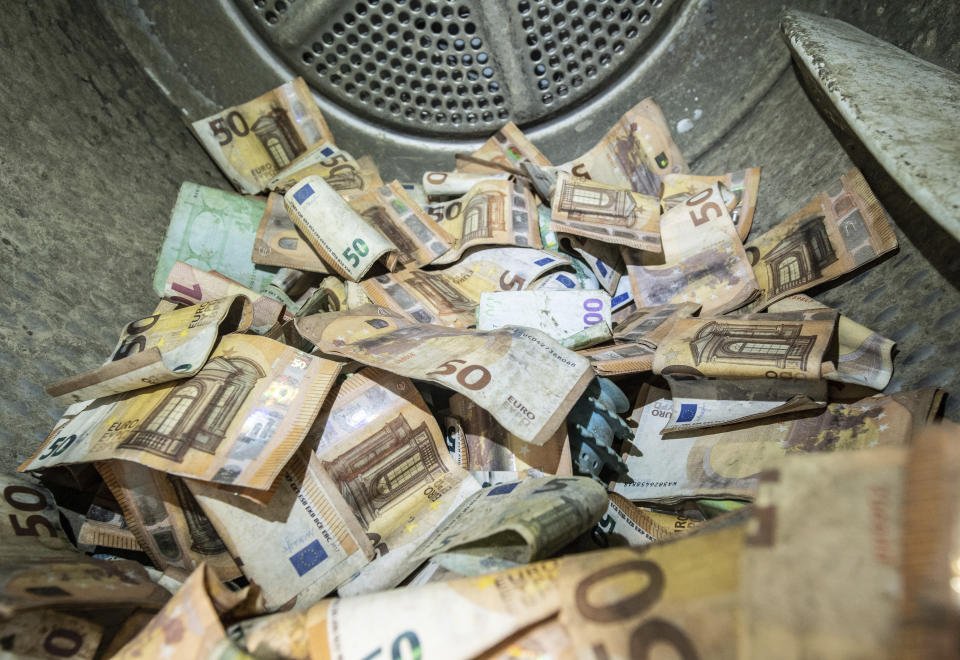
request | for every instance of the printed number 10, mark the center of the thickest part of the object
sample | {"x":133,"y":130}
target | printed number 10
{"x":360,"y":248}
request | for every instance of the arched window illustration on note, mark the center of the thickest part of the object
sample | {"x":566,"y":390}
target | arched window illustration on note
{"x":800,"y":257}
{"x":344,"y":177}
{"x":385,"y":467}
{"x":476,"y":218}
{"x":581,"y":198}
{"x":197,"y":413}
{"x":779,"y":345}
{"x":278,"y":136}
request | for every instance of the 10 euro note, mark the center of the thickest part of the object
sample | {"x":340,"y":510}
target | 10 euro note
{"x":237,"y":421}
{"x":253,"y":141}
{"x":524,"y":378}
{"x":158,"y":349}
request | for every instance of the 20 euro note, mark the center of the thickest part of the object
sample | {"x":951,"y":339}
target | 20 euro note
{"x":252,"y":142}
{"x":158,"y":349}
{"x":524,"y":378}
{"x":237,"y":421}
{"x":450,"y":296}
{"x":347,"y":242}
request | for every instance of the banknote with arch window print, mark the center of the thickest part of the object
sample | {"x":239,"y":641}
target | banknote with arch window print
{"x":510,"y":409}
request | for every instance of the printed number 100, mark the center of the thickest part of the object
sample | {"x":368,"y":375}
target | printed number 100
{"x":593,"y":307}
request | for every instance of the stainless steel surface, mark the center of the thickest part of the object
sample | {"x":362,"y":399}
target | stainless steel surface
{"x":95,"y":98}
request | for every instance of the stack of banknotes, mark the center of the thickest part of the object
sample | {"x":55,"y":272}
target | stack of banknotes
{"x":513,"y":410}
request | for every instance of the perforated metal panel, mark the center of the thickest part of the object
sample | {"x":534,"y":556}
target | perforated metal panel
{"x":458,"y":68}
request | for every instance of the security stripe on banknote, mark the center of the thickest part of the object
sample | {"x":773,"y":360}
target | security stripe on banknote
{"x":317,"y":390}
{"x":316,"y":503}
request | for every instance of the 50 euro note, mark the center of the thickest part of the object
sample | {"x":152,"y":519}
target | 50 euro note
{"x":480,"y":445}
{"x":297,"y":542}
{"x":344,"y":173}
{"x":726,"y":463}
{"x":727,"y":369}
{"x":865,"y":357}
{"x":49,"y":635}
{"x":105,"y":525}
{"x":843,"y":228}
{"x":492,"y":213}
{"x":450,"y":296}
{"x":189,"y":625}
{"x":852,"y":503}
{"x":739,"y":191}
{"x":189,"y":285}
{"x":603,"y":259}
{"x":166,"y":521}
{"x":526,"y":380}
{"x":455,"y":184}
{"x":158,"y":349}
{"x":252,"y":142}
{"x":418,"y":238}
{"x":704,"y":259}
{"x":345,"y":241}
{"x":280,"y":243}
{"x":634,"y":154}
{"x":237,"y":421}
{"x":559,"y":314}
{"x":39,"y":567}
{"x":508,"y":148}
{"x":605,"y":213}
{"x":385,"y":455}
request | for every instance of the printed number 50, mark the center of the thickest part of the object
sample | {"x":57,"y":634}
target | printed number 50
{"x":57,"y":447}
{"x":464,"y":377}
{"x":361,"y":249}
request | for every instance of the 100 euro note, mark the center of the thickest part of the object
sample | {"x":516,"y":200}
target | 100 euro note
{"x":297,"y":542}
{"x":253,"y":141}
{"x":526,"y":380}
{"x":843,"y":228}
{"x":386,"y":456}
{"x":237,"y":421}
{"x":213,"y":230}
{"x":560,"y":314}
{"x":450,"y":296}
{"x":158,"y":349}
{"x":492,"y":213}
{"x":725,"y":463}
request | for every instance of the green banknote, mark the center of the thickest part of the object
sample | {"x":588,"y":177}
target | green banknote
{"x":214,"y":229}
